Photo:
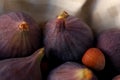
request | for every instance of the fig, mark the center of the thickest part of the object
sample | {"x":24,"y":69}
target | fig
{"x":20,"y":35}
{"x":71,"y":71}
{"x":94,"y":58}
{"x":25,"y":68}
{"x":67,"y":38}
{"x":117,"y":77}
{"x":108,"y":42}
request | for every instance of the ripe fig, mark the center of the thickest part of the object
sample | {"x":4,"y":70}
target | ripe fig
{"x":67,"y":38}
{"x":108,"y":42}
{"x":19,"y":35}
{"x":71,"y":71}
{"x":27,"y":68}
{"x":94,"y":58}
{"x":116,"y":77}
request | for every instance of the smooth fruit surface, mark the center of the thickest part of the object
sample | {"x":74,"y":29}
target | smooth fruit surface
{"x":109,"y":43}
{"x":71,"y":71}
{"x":27,"y":68}
{"x":20,"y":35}
{"x":67,"y":38}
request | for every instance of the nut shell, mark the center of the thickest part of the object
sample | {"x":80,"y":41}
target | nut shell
{"x":94,"y":59}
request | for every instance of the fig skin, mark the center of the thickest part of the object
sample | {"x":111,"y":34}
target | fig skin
{"x":20,"y":35}
{"x":71,"y":71}
{"x":116,"y":77}
{"x":27,"y":68}
{"x":108,"y":42}
{"x":67,"y":38}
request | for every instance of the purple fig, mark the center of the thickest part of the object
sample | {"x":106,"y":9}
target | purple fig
{"x":71,"y":71}
{"x":26,"y":68}
{"x":108,"y":42}
{"x":116,"y":77}
{"x":67,"y":38}
{"x":19,"y":35}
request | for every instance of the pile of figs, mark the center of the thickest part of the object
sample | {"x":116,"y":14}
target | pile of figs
{"x":65,"y":48}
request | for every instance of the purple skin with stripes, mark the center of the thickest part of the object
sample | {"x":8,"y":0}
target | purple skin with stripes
{"x":69,"y":71}
{"x":15,"y":42}
{"x":67,"y":40}
{"x":25,"y":68}
{"x":109,"y":43}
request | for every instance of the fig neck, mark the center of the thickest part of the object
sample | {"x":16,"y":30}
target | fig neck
{"x":60,"y":25}
{"x":61,"y":21}
{"x":38,"y":55}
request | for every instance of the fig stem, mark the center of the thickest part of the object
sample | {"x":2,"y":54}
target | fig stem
{"x":61,"y":21}
{"x":63,"y":15}
{"x":23,"y":26}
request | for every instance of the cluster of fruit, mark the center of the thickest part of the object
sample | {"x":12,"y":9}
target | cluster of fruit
{"x":66,"y":49}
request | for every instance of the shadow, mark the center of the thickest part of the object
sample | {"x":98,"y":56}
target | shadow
{"x":86,"y":11}
{"x":109,"y":71}
{"x":85,"y":14}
